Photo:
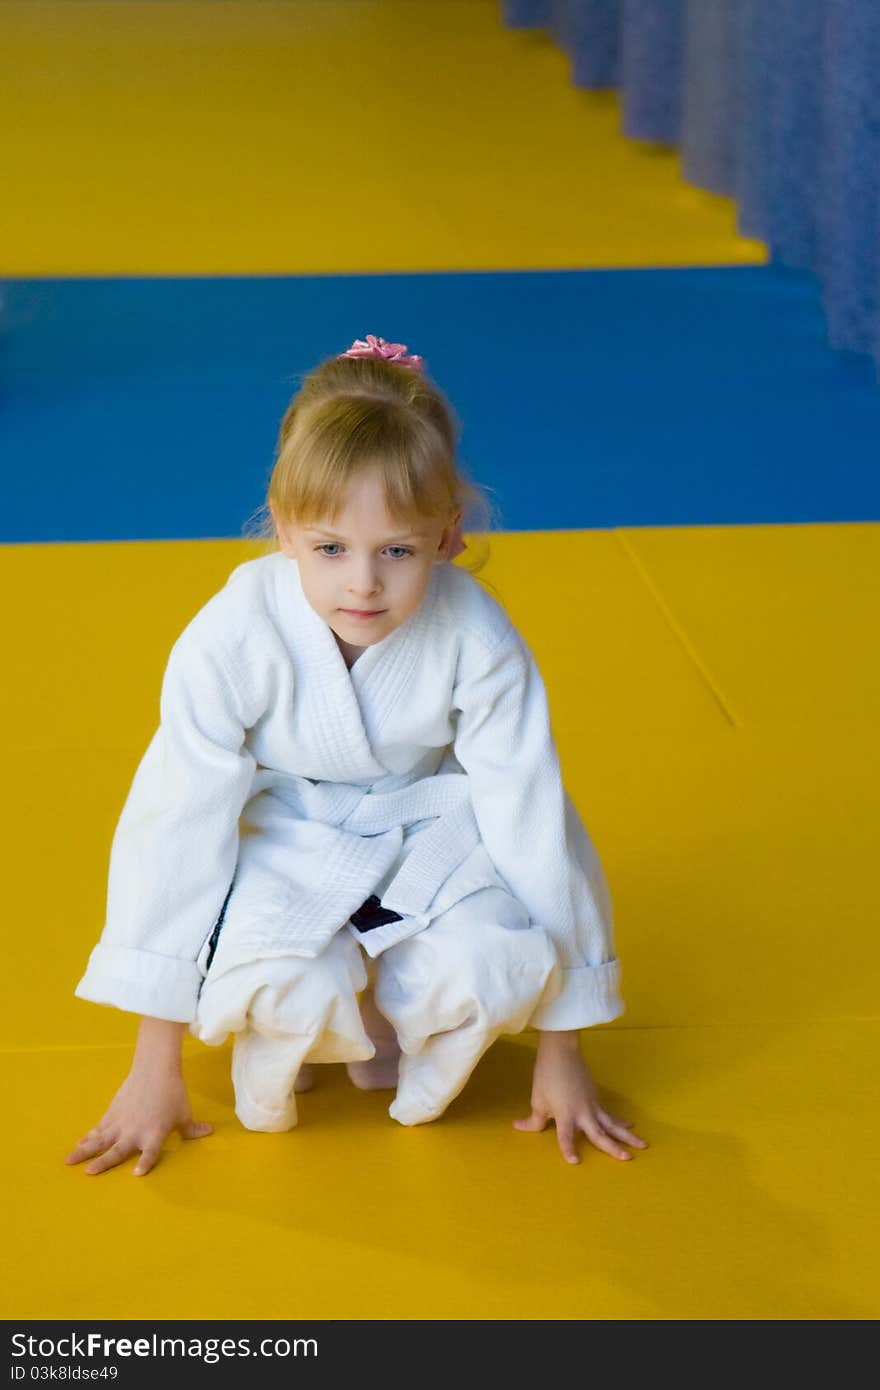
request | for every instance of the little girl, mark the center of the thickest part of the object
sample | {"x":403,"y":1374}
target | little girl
{"x":349,"y":840}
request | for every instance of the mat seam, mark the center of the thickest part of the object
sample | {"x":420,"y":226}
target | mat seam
{"x":690,"y":651}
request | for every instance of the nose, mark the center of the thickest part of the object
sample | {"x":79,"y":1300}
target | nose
{"x":364,"y":582}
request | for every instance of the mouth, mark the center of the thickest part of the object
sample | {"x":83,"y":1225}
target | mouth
{"x":362,"y":612}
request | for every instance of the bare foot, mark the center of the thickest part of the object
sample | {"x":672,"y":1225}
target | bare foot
{"x":379,"y":1073}
{"x":305,"y":1078}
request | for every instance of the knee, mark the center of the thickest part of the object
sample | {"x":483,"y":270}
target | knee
{"x":306,"y":991}
{"x":484,"y":938}
{"x":482,"y":971}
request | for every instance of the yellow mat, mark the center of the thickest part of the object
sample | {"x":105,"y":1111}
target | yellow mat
{"x":739,"y":854}
{"x":241,"y":138}
{"x":757,"y":1199}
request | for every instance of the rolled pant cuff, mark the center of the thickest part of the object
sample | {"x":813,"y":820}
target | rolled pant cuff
{"x":260,"y":1117}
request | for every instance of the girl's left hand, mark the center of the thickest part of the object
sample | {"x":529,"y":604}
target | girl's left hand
{"x":563,"y":1090}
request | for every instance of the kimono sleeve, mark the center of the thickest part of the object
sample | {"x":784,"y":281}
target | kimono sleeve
{"x":532,"y":830}
{"x":175,"y":846}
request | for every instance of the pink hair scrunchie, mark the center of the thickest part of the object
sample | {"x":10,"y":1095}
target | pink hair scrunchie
{"x":378,"y":347}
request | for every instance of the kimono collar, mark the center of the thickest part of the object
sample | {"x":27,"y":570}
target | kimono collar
{"x":352,"y":707}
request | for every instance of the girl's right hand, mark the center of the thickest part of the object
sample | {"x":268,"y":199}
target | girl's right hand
{"x":144,"y":1111}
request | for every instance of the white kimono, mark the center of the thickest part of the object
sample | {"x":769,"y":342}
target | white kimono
{"x":282,"y":789}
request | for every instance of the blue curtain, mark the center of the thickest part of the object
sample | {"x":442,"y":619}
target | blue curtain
{"x":773,"y":102}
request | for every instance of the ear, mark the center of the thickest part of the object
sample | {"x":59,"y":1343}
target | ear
{"x":448,"y":537}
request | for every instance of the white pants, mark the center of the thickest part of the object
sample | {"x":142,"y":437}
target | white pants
{"x":477,"y":971}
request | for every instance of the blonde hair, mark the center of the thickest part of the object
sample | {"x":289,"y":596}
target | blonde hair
{"x":352,"y":413}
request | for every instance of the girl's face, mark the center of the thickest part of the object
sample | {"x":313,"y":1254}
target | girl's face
{"x":363,"y":573}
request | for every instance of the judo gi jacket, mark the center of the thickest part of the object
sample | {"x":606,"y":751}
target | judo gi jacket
{"x":289,"y":787}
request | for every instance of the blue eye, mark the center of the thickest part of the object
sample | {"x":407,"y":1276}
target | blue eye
{"x":336,"y":547}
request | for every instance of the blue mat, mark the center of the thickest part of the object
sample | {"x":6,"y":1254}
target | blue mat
{"x":144,"y":408}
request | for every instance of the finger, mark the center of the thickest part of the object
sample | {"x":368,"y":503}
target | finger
{"x":148,"y":1159}
{"x":88,"y":1147}
{"x":596,"y":1135}
{"x":565,"y":1135}
{"x":196,"y":1129}
{"x":117,"y":1154}
{"x":606,"y":1118}
{"x":621,"y":1130}
{"x":95,"y":1132}
{"x":534,"y":1122}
